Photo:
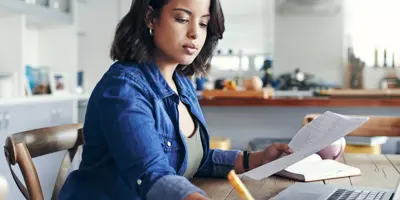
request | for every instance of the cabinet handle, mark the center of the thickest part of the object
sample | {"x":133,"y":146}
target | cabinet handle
{"x":7,"y":120}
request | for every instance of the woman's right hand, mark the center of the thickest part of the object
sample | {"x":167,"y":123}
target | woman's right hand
{"x":196,"y":196}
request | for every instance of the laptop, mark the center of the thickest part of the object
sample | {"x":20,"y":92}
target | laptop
{"x":314,"y":191}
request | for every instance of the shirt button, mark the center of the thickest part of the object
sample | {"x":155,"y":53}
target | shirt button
{"x":168,"y":143}
{"x":139,"y":182}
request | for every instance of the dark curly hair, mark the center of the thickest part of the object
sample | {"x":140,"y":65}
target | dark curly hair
{"x":132,"y":41}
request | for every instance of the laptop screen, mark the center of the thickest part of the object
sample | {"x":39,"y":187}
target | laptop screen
{"x":396,"y":195}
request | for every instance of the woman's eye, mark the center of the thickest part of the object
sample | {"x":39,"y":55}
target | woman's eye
{"x":203,"y":25}
{"x":181,"y":20}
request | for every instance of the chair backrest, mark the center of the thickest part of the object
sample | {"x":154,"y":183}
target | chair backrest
{"x":21,"y":147}
{"x":376,"y":126}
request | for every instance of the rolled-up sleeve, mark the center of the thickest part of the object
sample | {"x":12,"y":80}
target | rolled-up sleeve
{"x":218,"y":163}
{"x":128,"y":125}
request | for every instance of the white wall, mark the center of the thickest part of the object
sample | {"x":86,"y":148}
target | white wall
{"x":312,"y":43}
{"x":58,"y":50}
{"x":12,"y":46}
{"x":248,"y":26}
{"x":97,"y":22}
{"x":31,"y":54}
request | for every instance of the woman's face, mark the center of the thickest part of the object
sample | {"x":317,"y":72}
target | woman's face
{"x":181,"y":30}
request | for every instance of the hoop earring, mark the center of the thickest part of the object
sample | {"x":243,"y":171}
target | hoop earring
{"x":151,"y":32}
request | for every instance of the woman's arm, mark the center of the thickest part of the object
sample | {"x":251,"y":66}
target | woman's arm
{"x":259,"y":158}
{"x":220,"y":162}
{"x":127,"y":124}
{"x":255,"y":160}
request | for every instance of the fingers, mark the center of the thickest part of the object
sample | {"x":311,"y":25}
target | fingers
{"x":282,"y":147}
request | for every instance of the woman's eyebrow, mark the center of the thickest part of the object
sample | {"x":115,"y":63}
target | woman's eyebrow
{"x":188,"y":11}
{"x":182,"y":9}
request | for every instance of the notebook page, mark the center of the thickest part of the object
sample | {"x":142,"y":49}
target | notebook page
{"x":316,"y":135}
{"x":323,"y":169}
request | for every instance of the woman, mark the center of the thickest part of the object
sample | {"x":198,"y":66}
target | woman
{"x":145,"y":134}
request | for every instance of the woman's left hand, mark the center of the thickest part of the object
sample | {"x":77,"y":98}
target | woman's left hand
{"x":256,"y":159}
{"x":274,"y":151}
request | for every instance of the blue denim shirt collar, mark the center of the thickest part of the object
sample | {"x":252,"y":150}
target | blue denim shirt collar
{"x":161,"y":87}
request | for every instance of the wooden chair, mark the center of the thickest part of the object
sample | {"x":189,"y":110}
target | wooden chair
{"x":375,"y":126}
{"x":21,"y":147}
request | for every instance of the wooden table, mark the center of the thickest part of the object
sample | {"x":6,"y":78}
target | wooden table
{"x":377,"y":171}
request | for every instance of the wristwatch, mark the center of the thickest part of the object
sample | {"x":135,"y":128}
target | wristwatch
{"x":246,"y":155}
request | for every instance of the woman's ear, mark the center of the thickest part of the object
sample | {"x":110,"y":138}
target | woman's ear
{"x":149,"y":18}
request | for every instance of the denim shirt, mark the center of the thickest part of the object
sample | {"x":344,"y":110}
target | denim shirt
{"x":133,"y":145}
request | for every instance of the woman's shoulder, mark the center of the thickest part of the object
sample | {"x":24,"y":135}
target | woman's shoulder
{"x":123,"y":76}
{"x":131,"y":70}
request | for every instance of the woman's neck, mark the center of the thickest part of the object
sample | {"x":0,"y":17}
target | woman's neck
{"x":167,"y":70}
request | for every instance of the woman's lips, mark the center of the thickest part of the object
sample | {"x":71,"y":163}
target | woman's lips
{"x":190,"y":49}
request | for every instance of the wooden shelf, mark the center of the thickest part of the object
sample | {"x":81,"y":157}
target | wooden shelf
{"x":37,"y":16}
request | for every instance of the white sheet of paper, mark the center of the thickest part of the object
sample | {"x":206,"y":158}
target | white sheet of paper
{"x":311,"y":138}
{"x":324,"y":130}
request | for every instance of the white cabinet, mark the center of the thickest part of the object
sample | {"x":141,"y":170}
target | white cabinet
{"x":37,"y":36}
{"x":61,"y":113}
{"x":27,"y":116}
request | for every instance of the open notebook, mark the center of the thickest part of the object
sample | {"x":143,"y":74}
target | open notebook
{"x":310,"y":139}
{"x":314,"y":168}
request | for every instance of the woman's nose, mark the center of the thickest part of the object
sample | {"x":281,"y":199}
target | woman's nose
{"x":193,"y":32}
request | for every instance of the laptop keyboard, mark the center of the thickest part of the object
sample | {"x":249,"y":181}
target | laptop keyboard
{"x":342,"y":194}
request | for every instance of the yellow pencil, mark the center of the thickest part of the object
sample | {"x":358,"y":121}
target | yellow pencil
{"x":239,"y":186}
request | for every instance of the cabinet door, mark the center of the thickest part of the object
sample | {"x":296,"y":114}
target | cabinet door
{"x":62,"y":113}
{"x":82,"y":106}
{"x":29,"y":116}
{"x":14,"y":118}
{"x":17,"y":118}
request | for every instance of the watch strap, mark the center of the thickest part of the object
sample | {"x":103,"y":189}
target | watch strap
{"x":246,"y":155}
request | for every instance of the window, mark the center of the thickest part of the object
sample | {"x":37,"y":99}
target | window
{"x":373,"y":24}
{"x":229,"y":63}
{"x":259,"y":62}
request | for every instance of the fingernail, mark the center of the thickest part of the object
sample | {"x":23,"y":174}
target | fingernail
{"x":290,"y":150}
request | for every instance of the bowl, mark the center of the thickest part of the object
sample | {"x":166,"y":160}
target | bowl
{"x":334,"y":150}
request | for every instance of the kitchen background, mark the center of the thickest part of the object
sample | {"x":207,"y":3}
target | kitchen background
{"x":312,"y":35}
{"x":53,"y":52}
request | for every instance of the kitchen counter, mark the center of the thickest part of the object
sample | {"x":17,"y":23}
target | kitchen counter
{"x":43,"y":99}
{"x":304,"y":102}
